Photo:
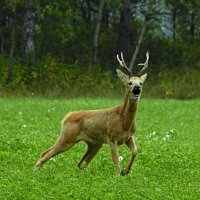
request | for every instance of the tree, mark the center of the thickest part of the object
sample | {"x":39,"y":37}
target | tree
{"x":28,"y":34}
{"x":8,"y":35}
{"x":124,"y":26}
{"x":97,"y":30}
{"x":138,"y":45}
{"x":11,"y":56}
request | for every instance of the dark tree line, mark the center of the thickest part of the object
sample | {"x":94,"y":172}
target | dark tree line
{"x":93,"y":32}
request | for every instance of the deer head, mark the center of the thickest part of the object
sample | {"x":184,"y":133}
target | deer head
{"x":132,"y":82}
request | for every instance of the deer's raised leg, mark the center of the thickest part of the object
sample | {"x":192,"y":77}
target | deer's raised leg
{"x":54,"y":150}
{"x":69,"y":137}
{"x":92,"y":150}
{"x":115,"y":156}
{"x":132,"y":146}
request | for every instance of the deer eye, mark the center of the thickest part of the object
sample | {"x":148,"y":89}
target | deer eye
{"x":140,"y":83}
{"x":130,"y":83}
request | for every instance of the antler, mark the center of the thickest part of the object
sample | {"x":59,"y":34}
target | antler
{"x":123,"y":64}
{"x":145,"y":65}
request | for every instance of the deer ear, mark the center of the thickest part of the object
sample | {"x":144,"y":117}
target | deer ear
{"x":124,"y":78}
{"x":143,"y":77}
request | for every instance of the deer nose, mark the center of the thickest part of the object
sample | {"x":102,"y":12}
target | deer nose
{"x":136,"y":87}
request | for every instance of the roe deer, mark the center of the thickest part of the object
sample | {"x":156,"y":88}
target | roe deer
{"x":113,"y":126}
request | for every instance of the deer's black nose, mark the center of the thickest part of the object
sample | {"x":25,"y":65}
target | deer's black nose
{"x":136,"y":89}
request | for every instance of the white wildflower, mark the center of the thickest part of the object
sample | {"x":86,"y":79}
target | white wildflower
{"x":120,"y":158}
{"x":167,"y":136}
{"x":151,"y":134}
{"x":171,"y":131}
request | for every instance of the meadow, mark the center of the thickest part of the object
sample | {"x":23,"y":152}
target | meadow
{"x":167,"y":166}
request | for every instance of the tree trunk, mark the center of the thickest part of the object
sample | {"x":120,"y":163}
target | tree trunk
{"x":192,"y":26}
{"x":138,"y":45}
{"x":105,"y":16}
{"x":97,"y":30}
{"x":2,"y":38}
{"x":124,"y":28}
{"x":2,"y":45}
{"x":10,"y":61}
{"x":174,"y":23}
{"x":28,"y":40}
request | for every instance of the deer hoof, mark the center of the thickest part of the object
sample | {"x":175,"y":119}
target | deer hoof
{"x":123,"y":172}
{"x":82,"y":166}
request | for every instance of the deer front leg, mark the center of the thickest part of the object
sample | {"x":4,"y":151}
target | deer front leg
{"x":92,"y":150}
{"x":115,"y":156}
{"x":132,"y":146}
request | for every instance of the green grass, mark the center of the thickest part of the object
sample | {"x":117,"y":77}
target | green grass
{"x":167,"y":166}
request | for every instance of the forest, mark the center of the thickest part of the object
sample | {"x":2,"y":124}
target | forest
{"x":66,"y":47}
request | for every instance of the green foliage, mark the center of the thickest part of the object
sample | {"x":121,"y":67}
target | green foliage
{"x":51,"y":77}
{"x":167,"y":166}
{"x":178,"y":84}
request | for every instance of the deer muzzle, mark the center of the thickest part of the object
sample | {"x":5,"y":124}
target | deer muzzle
{"x":136,"y":90}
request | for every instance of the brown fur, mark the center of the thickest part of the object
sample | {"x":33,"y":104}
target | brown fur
{"x":113,"y":126}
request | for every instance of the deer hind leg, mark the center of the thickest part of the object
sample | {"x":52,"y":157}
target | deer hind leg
{"x":68,"y":138}
{"x":92,"y":150}
{"x":132,"y":146}
{"x":54,"y":150}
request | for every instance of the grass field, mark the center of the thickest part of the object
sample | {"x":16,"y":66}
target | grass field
{"x":167,"y":166}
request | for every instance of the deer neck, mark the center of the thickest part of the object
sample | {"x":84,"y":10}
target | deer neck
{"x":128,"y":111}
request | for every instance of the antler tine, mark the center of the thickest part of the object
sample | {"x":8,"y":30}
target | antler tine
{"x":145,"y":65}
{"x":122,"y":57}
{"x":123,"y":64}
{"x":120,"y":62}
